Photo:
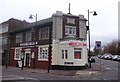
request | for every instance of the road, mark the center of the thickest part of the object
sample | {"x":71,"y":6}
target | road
{"x":111,"y":73}
{"x":112,"y":70}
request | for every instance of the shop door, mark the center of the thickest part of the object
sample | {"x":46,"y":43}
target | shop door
{"x":27,"y":60}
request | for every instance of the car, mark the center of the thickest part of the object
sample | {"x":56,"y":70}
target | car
{"x":103,"y":56}
{"x":107,"y":56}
{"x":99,"y":56}
{"x":118,"y":58}
{"x":114,"y":58}
{"x":91,"y":59}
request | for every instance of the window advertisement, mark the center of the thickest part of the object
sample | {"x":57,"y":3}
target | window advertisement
{"x":77,"y":53}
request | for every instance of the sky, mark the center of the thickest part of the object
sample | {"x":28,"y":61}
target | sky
{"x":103,"y":27}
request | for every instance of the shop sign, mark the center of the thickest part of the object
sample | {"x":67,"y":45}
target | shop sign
{"x":76,"y":43}
{"x":68,"y":63}
{"x":28,"y":44}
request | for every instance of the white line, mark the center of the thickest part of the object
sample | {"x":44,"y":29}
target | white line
{"x":23,"y":77}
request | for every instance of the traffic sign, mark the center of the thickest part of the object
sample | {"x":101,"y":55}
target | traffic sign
{"x":98,"y":44}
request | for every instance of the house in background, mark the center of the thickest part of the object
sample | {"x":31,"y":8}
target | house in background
{"x":56,"y":42}
{"x":5,"y":27}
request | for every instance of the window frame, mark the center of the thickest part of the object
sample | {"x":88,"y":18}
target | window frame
{"x":45,"y":50}
{"x":64,"y":54}
{"x":17,"y":52}
{"x":70,"y":30}
{"x":44,"y":33}
{"x":78,"y":50}
{"x":19,"y":37}
{"x":28,"y":36}
{"x":4,"y":40}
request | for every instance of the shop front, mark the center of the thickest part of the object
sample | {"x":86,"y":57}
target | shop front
{"x":70,"y":53}
{"x":25,"y":54}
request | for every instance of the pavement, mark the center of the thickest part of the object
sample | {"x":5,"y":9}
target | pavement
{"x":94,"y":70}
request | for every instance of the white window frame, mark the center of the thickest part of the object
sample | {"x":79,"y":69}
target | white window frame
{"x":40,"y":53}
{"x":80,"y":50}
{"x":69,"y":29}
{"x":17,"y":52}
{"x":64,"y":54}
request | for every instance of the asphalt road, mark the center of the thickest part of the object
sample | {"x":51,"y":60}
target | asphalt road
{"x":111,"y":73}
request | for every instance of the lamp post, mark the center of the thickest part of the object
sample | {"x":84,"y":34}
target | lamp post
{"x":34,"y":37}
{"x":94,"y":14}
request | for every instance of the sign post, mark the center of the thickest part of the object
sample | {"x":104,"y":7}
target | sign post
{"x":98,"y":47}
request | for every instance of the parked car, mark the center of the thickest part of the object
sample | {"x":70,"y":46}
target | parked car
{"x":118,"y":58}
{"x":99,"y":56}
{"x":103,"y":56}
{"x":91,"y":59}
{"x":107,"y":56}
{"x":114,"y":58}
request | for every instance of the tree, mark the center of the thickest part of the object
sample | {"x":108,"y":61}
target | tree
{"x":112,"y":47}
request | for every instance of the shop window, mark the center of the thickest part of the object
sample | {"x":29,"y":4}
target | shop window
{"x":77,"y":53}
{"x":64,"y":54}
{"x":43,"y":53}
{"x":17,"y":54}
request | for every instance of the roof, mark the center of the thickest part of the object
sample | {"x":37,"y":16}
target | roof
{"x":30,"y":25}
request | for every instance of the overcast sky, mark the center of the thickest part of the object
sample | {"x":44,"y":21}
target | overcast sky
{"x":103,"y":27}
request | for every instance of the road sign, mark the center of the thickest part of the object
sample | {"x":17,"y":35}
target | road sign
{"x":98,"y":44}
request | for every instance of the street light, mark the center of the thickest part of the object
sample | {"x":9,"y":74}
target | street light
{"x":94,"y":14}
{"x":34,"y":38}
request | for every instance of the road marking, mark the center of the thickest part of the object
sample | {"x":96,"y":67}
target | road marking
{"x":14,"y":77}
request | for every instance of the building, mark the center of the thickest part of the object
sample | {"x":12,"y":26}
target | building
{"x":5,"y":27}
{"x":55,"y":42}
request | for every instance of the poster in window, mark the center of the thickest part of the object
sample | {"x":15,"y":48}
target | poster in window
{"x":77,"y":54}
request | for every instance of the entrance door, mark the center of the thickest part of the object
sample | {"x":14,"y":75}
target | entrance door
{"x":27,"y":60}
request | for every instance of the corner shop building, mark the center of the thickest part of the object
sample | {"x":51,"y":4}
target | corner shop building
{"x":58,"y":41}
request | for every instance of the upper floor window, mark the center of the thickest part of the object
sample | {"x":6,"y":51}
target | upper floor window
{"x":4,"y":40}
{"x":44,"y":33}
{"x":3,"y":28}
{"x":28,"y":36}
{"x":19,"y":37}
{"x":70,"y":30}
